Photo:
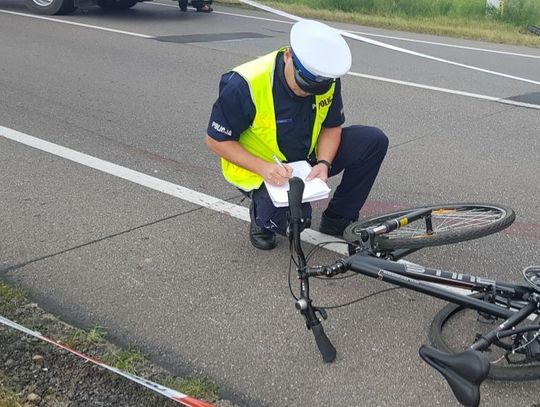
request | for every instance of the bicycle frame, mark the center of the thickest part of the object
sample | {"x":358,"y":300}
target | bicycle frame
{"x":412,"y":276}
{"x":464,"y":371}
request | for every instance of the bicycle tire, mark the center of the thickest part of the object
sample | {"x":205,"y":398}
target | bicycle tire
{"x":506,"y":372}
{"x":452,"y":223}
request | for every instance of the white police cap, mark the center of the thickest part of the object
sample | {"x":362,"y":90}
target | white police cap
{"x":321,"y":49}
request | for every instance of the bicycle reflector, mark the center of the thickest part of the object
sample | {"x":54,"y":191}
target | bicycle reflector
{"x":532,"y":276}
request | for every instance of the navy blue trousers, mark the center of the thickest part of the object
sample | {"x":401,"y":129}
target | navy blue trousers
{"x":360,"y":155}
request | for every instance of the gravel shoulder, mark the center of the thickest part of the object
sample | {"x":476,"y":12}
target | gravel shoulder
{"x":36,"y":373}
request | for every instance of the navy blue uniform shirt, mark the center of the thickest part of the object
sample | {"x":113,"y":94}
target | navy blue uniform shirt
{"x":234,"y":111}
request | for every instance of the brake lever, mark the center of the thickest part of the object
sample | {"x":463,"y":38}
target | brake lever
{"x":322,"y":312}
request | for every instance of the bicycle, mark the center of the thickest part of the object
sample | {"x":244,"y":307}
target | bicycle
{"x":376,"y":249}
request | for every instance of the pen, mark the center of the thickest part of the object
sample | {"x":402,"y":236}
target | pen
{"x":278,"y":162}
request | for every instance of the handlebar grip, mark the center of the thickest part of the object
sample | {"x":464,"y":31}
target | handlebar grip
{"x":328,"y":352}
{"x":296,"y":190}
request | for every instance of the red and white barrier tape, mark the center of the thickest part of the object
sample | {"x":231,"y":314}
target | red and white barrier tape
{"x":164,"y":391}
{"x":391,"y":47}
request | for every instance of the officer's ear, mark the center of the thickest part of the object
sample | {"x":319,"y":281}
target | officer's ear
{"x":287,"y":55}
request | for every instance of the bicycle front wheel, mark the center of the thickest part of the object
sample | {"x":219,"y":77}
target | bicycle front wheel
{"x":455,"y":328}
{"x":450,"y":223}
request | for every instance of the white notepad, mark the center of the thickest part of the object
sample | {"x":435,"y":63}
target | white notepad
{"x":314,"y":189}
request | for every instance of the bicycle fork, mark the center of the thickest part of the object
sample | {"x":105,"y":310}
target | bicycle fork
{"x":303,"y":304}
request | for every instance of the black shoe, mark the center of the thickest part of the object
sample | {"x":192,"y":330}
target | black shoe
{"x":333,"y":226}
{"x":205,"y":9}
{"x":261,"y":238}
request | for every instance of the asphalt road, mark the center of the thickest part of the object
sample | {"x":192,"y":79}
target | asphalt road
{"x":179,"y":279}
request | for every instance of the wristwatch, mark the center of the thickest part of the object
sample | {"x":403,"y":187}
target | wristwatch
{"x":327,"y":163}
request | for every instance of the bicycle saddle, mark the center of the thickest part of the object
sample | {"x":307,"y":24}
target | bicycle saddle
{"x":463,"y":371}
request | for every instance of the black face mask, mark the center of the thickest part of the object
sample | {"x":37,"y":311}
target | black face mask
{"x":315,"y":87}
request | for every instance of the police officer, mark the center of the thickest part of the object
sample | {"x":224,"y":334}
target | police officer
{"x":288,"y":104}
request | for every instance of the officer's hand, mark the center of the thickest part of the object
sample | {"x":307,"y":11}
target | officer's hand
{"x":318,"y":171}
{"x":275,"y":174}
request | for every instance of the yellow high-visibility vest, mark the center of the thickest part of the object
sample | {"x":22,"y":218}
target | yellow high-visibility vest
{"x":260,"y":139}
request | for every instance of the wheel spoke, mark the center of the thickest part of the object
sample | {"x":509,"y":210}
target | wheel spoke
{"x":449,"y":224}
{"x":446,"y":220}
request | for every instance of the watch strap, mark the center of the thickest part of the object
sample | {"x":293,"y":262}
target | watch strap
{"x":327,"y":163}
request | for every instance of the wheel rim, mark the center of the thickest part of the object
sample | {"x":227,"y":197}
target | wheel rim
{"x":43,"y":3}
{"x":470,"y":321}
{"x":450,"y":220}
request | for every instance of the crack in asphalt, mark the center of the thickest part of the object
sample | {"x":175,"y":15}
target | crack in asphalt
{"x":6,"y":270}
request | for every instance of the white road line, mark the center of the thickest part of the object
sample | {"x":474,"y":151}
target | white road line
{"x":405,"y":83}
{"x":377,"y":78}
{"x":432,"y":58}
{"x":148,"y":181}
{"x":445,"y":90}
{"x":166,"y":187}
{"x":95,"y":27}
{"x":266,"y":19}
{"x":441,"y":44}
{"x":392,"y":47}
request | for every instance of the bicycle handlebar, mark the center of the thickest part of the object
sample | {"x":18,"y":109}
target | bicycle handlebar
{"x":296,"y":190}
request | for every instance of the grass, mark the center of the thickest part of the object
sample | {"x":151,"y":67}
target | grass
{"x":460,"y":25}
{"x":8,"y":293}
{"x":85,"y":338}
{"x":9,"y":399}
{"x":10,"y":298}
{"x":125,"y":359}
{"x":516,"y":12}
{"x":196,"y":387}
{"x":132,"y":360}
